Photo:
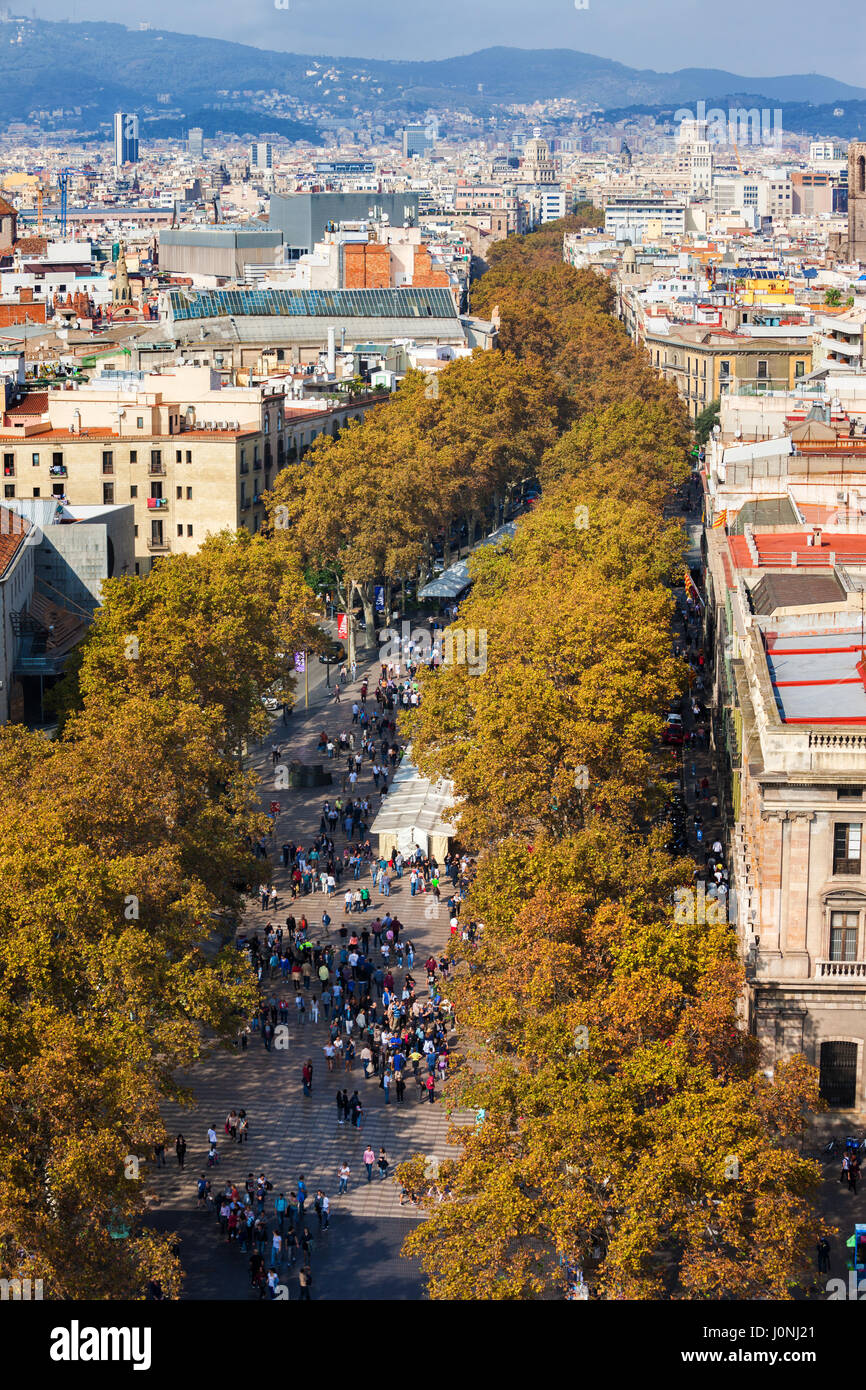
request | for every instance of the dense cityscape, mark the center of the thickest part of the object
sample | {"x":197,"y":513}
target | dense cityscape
{"x":433,"y":531}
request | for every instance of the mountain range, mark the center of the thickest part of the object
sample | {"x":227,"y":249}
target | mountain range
{"x":83,"y":72}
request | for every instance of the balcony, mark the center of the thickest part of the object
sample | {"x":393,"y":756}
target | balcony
{"x":58,"y":470}
{"x":156,"y":470}
{"x":840,"y":970}
{"x":156,"y":503}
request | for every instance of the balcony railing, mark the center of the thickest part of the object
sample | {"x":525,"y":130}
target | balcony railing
{"x":58,"y":470}
{"x":840,"y":970}
{"x":158,"y":545}
{"x":156,"y":470}
{"x":155,"y":503}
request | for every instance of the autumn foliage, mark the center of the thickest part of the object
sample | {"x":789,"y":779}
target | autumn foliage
{"x":124,"y":845}
{"x":629,"y":1130}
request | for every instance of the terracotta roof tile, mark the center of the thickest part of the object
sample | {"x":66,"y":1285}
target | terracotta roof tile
{"x":13,"y":533}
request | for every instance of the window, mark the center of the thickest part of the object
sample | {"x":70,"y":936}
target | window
{"x":139,"y":424}
{"x":133,"y":456}
{"x":189,"y":494}
{"x":838,"y":1074}
{"x":9,"y":490}
{"x":189,"y":530}
{"x":9,"y":465}
{"x":57,"y":460}
{"x":843,"y":935}
{"x":763,"y":369}
{"x":108,"y":461}
{"x":37,"y":492}
{"x":178,"y":455}
{"x":849,"y":793}
{"x":179,"y":493}
{"x":133,"y":491}
{"x":846,"y":848}
{"x":799,"y":369}
{"x":108,"y":494}
{"x":35,"y":460}
{"x":136,"y":537}
{"x":156,"y":457}
{"x":189,"y":455}
{"x":179,"y":529}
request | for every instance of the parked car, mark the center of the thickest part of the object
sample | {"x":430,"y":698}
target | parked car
{"x":334,"y":652}
{"x":673,"y":731}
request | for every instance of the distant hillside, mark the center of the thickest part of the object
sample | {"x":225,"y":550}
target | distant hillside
{"x":78,"y":74}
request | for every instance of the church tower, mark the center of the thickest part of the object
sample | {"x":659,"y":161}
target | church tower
{"x":857,"y":201}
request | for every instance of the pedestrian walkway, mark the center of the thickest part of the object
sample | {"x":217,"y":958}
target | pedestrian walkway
{"x":289,"y":1133}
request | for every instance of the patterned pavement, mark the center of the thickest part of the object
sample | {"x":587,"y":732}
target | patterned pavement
{"x":290,"y":1134}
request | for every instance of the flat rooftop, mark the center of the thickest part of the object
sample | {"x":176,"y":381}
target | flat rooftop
{"x":818,"y":676}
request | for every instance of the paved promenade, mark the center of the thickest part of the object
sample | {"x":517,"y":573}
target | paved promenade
{"x":290,"y":1134}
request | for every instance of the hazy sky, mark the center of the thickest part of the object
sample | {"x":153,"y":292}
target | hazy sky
{"x":753,"y":37}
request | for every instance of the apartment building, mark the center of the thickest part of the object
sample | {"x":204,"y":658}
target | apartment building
{"x":786,"y":594}
{"x":192,"y":456}
{"x":706,"y":363}
{"x":644,"y":219}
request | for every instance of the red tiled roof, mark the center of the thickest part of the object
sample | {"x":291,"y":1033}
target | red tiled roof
{"x":13,"y":533}
{"x":53,"y":436}
{"x":34,"y":403}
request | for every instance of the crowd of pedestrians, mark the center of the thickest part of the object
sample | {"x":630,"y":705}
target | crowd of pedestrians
{"x":341,"y":973}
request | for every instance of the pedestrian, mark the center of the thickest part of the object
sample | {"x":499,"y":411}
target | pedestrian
{"x":307,"y":1077}
{"x":369,"y":1160}
{"x":291,"y":1246}
{"x":853,"y":1174}
{"x":180,"y":1150}
{"x":430,"y":1085}
{"x":305,"y":1278}
{"x":823,"y":1249}
{"x":344,"y":1178}
{"x":382,"y":1164}
{"x":341,"y":1112}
